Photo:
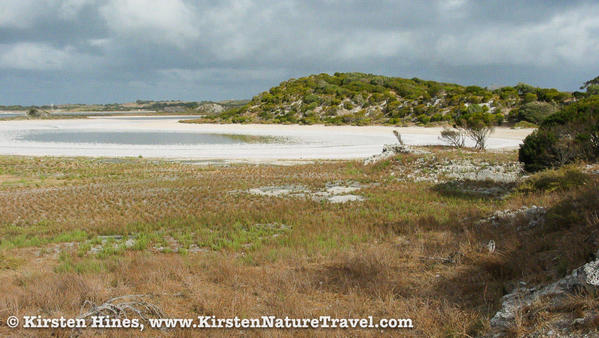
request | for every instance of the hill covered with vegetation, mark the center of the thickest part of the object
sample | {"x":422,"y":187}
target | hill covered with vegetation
{"x":361,"y":99}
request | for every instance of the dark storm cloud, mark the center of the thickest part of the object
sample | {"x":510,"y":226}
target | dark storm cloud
{"x":121,"y":50}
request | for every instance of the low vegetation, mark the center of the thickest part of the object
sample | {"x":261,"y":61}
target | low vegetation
{"x":169,"y":106}
{"x":361,"y":99}
{"x":37,"y":113}
{"x":438,"y":236}
{"x":562,"y":179}
{"x":567,"y":136}
{"x":196,"y":241}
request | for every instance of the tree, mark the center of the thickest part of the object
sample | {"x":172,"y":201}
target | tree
{"x":454,"y":137}
{"x":524,"y":88}
{"x":592,"y":86}
{"x":476,"y":124}
{"x":589,"y":83}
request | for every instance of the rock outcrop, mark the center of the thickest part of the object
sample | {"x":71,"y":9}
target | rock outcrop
{"x":583,"y":279}
{"x":533,"y":216}
{"x":334,"y":192}
{"x":431,"y":169}
{"x":390,"y":150}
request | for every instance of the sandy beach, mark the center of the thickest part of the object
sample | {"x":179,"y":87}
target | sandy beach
{"x":302,"y":142}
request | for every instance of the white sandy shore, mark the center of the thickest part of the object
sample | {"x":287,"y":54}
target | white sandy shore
{"x":308,"y":142}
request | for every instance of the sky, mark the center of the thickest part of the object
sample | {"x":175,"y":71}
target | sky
{"x":107,"y":51}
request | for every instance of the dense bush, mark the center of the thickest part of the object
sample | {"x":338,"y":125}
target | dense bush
{"x":567,"y":136}
{"x":33,"y":112}
{"x":535,"y":112}
{"x":397,"y":98}
{"x":530,"y":97}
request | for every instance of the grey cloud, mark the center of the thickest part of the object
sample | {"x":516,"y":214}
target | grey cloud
{"x":108,"y":51}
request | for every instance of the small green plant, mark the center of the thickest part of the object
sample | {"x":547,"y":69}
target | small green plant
{"x":141,"y":242}
{"x":565,"y":178}
{"x":110,"y":250}
{"x":71,"y":236}
{"x":68,"y":263}
{"x":83,"y":249}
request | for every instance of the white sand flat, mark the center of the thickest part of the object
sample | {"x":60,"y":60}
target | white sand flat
{"x":306,"y":142}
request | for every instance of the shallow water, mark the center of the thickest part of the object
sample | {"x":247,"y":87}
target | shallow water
{"x":139,"y":137}
{"x":10,"y":115}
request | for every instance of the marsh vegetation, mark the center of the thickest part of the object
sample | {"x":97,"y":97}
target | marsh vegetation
{"x":197,"y":241}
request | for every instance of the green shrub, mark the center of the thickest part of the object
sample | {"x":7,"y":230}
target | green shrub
{"x":437,"y":117}
{"x":525,"y":124}
{"x":240,"y":119}
{"x":529,"y":97}
{"x":593,"y":89}
{"x":310,"y":106}
{"x":423,"y":118}
{"x":498,"y":118}
{"x":569,"y":135}
{"x":536,"y":152}
{"x":564,"y":178}
{"x":535,"y":112}
{"x":308,"y":99}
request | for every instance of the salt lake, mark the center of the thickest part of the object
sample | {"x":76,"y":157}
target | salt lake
{"x":165,"y":137}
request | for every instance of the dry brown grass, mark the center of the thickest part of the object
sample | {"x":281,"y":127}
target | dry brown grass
{"x":406,"y":251}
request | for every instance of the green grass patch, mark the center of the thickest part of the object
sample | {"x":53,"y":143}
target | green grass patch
{"x":239,"y":236}
{"x":561,"y":179}
{"x":69,"y":264}
{"x":23,"y":237}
